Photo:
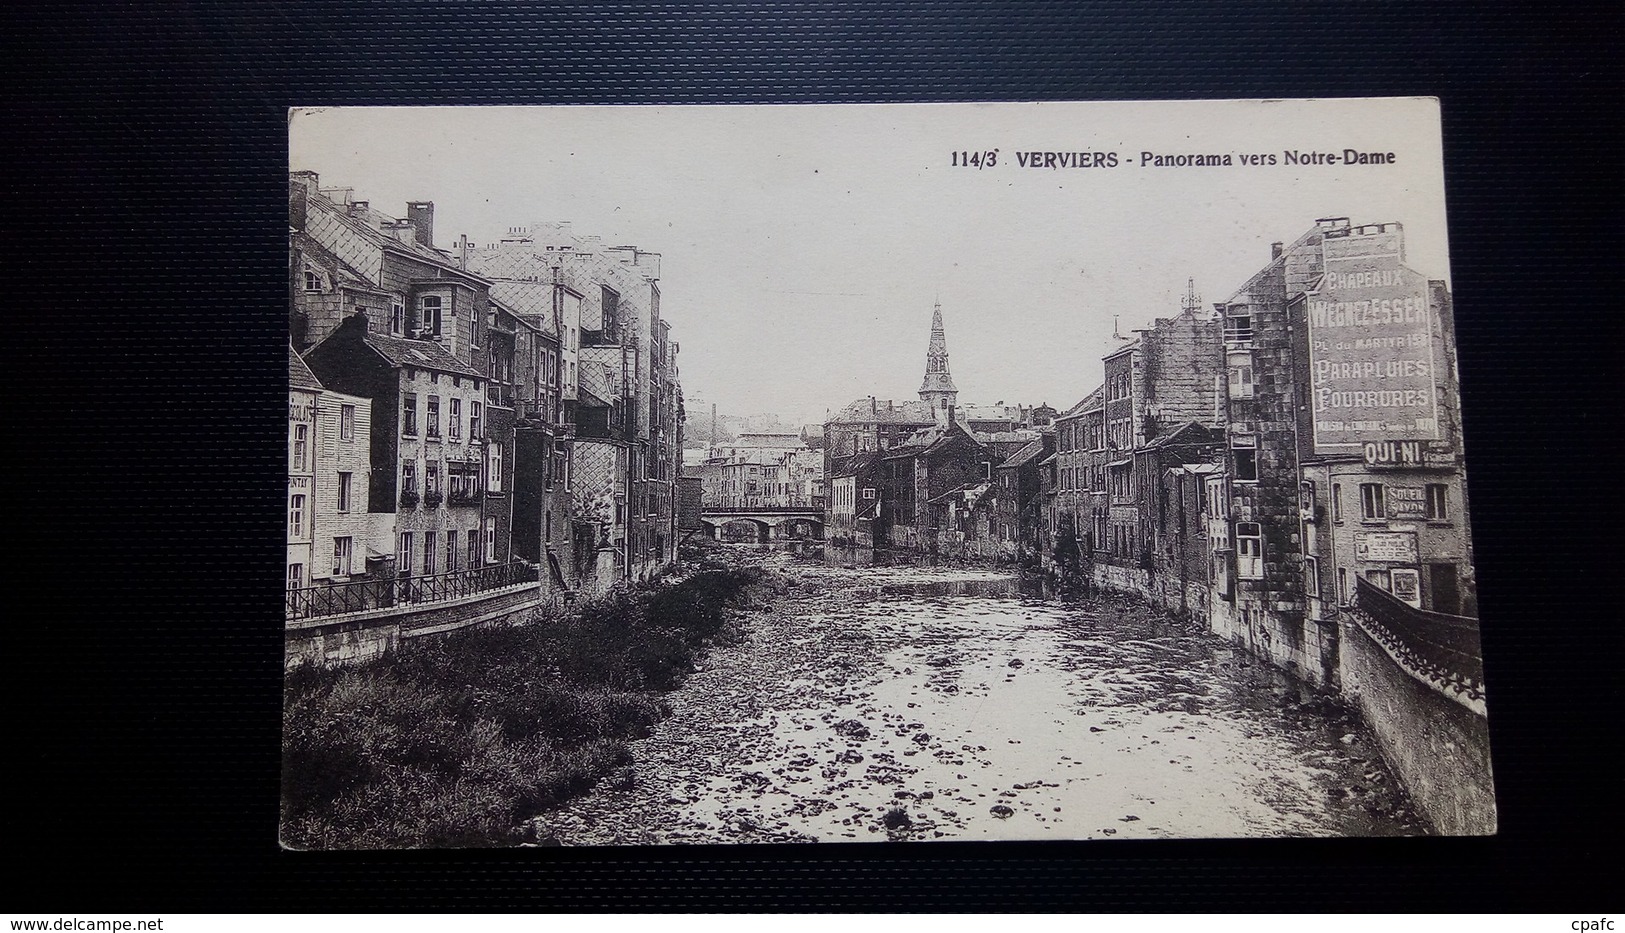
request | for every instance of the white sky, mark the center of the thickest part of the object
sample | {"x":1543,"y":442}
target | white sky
{"x":802,"y":246}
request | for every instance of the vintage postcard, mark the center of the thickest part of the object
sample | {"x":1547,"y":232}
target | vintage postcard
{"x":866,"y":473}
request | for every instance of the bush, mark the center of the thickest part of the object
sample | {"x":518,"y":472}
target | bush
{"x":456,"y":742}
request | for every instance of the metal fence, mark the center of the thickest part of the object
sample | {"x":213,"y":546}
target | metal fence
{"x":1440,"y":645}
{"x":314,"y":602}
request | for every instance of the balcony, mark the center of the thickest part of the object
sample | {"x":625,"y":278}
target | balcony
{"x":409,"y":498}
{"x":432,"y":500}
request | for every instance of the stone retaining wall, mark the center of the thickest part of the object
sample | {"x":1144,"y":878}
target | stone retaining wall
{"x":1438,"y":746}
{"x":361,"y":636}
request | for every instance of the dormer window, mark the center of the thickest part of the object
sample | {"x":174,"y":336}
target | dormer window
{"x":397,"y":318}
{"x":313,"y":281}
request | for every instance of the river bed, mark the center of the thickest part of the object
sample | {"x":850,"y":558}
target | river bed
{"x":920,"y":703}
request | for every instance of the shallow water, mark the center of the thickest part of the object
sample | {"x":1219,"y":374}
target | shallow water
{"x":940,"y":703}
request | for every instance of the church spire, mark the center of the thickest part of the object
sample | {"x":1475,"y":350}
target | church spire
{"x":938,"y":387}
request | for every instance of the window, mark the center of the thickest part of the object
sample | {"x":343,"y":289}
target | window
{"x":1249,"y":551}
{"x":474,"y":421}
{"x":493,"y":473}
{"x":1241,"y":373}
{"x":1238,"y":325}
{"x":301,"y":447}
{"x":454,"y":423}
{"x":1437,"y":509}
{"x":451,"y":550}
{"x":869,"y":493}
{"x":403,"y":555}
{"x":434,"y":416}
{"x":431,"y":479}
{"x":342,"y":548}
{"x":345,"y":483}
{"x":409,"y":476}
{"x":473,"y":548}
{"x":1337,"y":502}
{"x":346,"y":422}
{"x":397,"y":318}
{"x":1311,"y":577}
{"x":1245,"y":449}
{"x":1344,"y":594}
{"x":490,"y":540}
{"x":1379,"y":579}
{"x":429,"y":316}
{"x":431,"y":556}
{"x":1372,"y":507}
{"x":296,"y":576}
{"x":409,"y":414}
{"x":313,"y":282}
{"x":1122,"y":482}
{"x":296,"y":516}
{"x":1214,"y":503}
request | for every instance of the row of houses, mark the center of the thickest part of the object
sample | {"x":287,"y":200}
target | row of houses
{"x":1251,"y":463}
{"x":761,"y":470}
{"x":473,"y":417}
{"x":924,"y":475}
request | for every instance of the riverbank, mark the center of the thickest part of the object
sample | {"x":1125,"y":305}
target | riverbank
{"x":454,"y":742}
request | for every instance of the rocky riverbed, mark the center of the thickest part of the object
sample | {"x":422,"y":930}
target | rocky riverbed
{"x":919,"y":703}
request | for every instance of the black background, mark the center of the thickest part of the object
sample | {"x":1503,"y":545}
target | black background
{"x":145,"y":308}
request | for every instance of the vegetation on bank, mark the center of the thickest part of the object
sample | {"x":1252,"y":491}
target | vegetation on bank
{"x":457,"y":741}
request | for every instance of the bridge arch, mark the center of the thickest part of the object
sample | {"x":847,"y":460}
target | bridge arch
{"x":739,"y":529}
{"x":800,"y":527}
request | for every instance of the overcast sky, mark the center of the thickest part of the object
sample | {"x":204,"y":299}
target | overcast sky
{"x":803,"y":246}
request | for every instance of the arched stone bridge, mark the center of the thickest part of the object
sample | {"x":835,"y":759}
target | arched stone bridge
{"x":766,"y":523}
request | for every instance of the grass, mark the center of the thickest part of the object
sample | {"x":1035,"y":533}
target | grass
{"x":456,"y":742}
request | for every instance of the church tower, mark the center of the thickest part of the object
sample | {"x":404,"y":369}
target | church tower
{"x":938,"y":388}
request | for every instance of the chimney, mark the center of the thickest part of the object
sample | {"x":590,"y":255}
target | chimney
{"x":421,"y":214}
{"x":462,"y":251}
{"x":301,"y":187}
{"x":950,"y":412}
{"x":1275,"y":250}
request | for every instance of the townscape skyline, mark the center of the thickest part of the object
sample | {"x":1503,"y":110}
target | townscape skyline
{"x":824,"y":258}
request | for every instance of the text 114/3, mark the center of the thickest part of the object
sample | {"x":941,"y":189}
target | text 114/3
{"x":964,"y":158}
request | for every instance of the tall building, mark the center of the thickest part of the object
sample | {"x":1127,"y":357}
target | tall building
{"x":937,"y":388}
{"x":621,"y":394}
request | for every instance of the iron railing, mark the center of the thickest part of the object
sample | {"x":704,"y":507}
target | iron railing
{"x":1443,"y":646}
{"x":314,"y":602}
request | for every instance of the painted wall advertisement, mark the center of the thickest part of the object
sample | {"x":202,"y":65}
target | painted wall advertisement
{"x":1371,"y":348}
{"x":1395,"y":546}
{"x":1407,"y":502}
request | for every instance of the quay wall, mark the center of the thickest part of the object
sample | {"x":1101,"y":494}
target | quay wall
{"x":1437,"y":744}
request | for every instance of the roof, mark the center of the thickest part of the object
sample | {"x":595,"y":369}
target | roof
{"x":972,"y":493}
{"x":531,"y":302}
{"x":299,"y":374}
{"x":1028,"y":454}
{"x":869,"y":410}
{"x":1181,"y":435}
{"x":424,"y":354}
{"x":1092,"y":400}
{"x":858,"y":463}
{"x":360,"y":223}
{"x":1199,"y":469}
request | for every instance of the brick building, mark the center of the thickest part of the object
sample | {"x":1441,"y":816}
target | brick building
{"x":1018,"y":506}
{"x":620,"y":391}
